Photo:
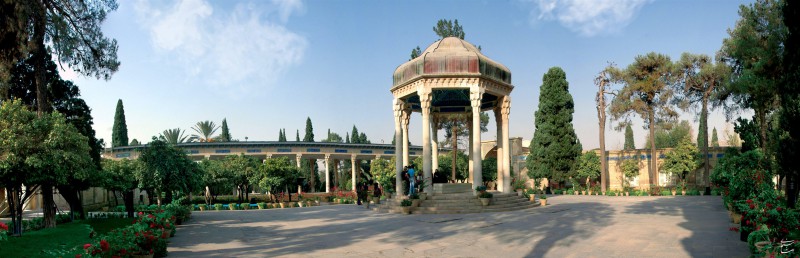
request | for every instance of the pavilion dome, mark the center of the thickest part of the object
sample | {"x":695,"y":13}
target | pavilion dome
{"x":451,"y":56}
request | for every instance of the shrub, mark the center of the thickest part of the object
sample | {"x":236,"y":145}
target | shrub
{"x":485,"y":195}
{"x":218,"y":206}
{"x":232,"y":206}
{"x":262,"y":205}
{"x":405,"y":203}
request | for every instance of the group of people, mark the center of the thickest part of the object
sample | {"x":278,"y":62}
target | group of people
{"x":362,"y":192}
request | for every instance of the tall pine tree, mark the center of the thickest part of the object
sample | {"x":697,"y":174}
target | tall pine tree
{"x":119,"y":133}
{"x":297,"y":136}
{"x":355,"y":137}
{"x":555,"y":146}
{"x":629,"y":144}
{"x":309,"y":137}
{"x":225,"y":135}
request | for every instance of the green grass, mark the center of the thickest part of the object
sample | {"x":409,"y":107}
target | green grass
{"x":63,"y":237}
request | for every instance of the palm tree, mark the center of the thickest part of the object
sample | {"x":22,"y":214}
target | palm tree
{"x":205,"y":131}
{"x":173,"y":136}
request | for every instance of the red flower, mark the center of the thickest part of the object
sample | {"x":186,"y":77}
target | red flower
{"x":752,"y":206}
{"x":104,"y":245}
{"x":749,"y":201}
{"x":141,"y":213}
{"x":3,"y":226}
{"x":77,"y":256}
{"x":769,"y":205}
{"x":123,"y":251}
{"x":779,"y":209}
{"x":152,"y":225}
{"x":86,"y":246}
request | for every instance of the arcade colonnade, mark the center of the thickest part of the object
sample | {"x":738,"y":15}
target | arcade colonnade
{"x":430,"y":127}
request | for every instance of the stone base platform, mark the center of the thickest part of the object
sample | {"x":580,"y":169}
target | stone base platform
{"x":457,"y":198}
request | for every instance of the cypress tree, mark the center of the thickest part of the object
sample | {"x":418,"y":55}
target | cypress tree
{"x":347,"y":138}
{"x":134,"y":142}
{"x":119,"y":133}
{"x":629,"y":144}
{"x":555,"y":146}
{"x":714,"y":139}
{"x":225,"y":135}
{"x":354,"y":133}
{"x":297,"y":136}
{"x":309,"y":137}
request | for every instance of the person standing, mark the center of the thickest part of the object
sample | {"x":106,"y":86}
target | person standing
{"x":411,"y":179}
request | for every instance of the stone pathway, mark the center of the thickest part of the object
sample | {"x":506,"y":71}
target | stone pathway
{"x":570,"y":226}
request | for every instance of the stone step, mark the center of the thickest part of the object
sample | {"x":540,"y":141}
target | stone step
{"x":452,"y":188}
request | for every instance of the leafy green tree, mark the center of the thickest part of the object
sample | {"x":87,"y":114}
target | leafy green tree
{"x":669,"y":135}
{"x":588,"y":166}
{"x":333,"y":137}
{"x":447,"y":28}
{"x":630,"y":169}
{"x":629,"y":141}
{"x":455,"y":130}
{"x":65,"y":98}
{"x":754,"y":51}
{"x":38,"y":150}
{"x":242,"y":168}
{"x":699,"y":83}
{"x":173,"y":136}
{"x":384,"y":173}
{"x":225,"y":135}
{"x":555,"y":146}
{"x":167,"y":170}
{"x":489,"y":169}
{"x":415,"y":53}
{"x":682,"y":160}
{"x":646,"y":93}
{"x":714,"y":138}
{"x":205,"y":131}
{"x":120,"y":176}
{"x":462,"y":166}
{"x":277,"y":175}
{"x":69,"y":29}
{"x":119,"y":133}
{"x":363,"y":138}
{"x":789,"y":91}
{"x":216,"y":179}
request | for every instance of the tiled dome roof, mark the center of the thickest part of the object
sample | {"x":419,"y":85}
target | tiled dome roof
{"x":451,"y":56}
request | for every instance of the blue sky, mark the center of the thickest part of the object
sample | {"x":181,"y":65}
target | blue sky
{"x":266,"y":65}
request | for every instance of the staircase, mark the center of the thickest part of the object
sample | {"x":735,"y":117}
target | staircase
{"x":458,"y":198}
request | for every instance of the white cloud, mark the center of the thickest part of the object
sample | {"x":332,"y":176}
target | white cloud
{"x":588,"y":17}
{"x":234,"y":51}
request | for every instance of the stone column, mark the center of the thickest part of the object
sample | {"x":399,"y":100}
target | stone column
{"x":353,"y":171}
{"x":501,"y":179}
{"x":506,"y":110}
{"x":425,"y":104}
{"x":399,"y":147}
{"x":298,"y":159}
{"x":469,"y":151}
{"x":406,"y":117}
{"x":475,"y":96}
{"x":327,"y":173}
{"x":435,"y":143}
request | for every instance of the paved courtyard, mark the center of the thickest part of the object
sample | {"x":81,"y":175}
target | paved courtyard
{"x":570,"y":226}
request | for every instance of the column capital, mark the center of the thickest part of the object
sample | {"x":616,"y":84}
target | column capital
{"x":476,"y":95}
{"x":269,"y":156}
{"x":299,"y":155}
{"x":353,"y":157}
{"x":377,"y":157}
{"x":327,"y":157}
{"x":398,"y":106}
{"x":506,"y":106}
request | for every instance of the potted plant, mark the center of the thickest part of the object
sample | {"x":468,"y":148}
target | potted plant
{"x":232,"y":206}
{"x":202,"y":207}
{"x":519,"y":186}
{"x":261,"y":205}
{"x":543,"y":200}
{"x":485,"y":198}
{"x":414,"y":199}
{"x":531,"y":195}
{"x":674,"y":191}
{"x":218,"y":207}
{"x":405,"y":206}
{"x":480,"y":189}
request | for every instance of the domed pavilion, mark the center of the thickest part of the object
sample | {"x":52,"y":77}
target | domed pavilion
{"x":452,"y":77}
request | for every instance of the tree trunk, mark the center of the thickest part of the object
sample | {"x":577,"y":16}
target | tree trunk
{"x":48,"y":206}
{"x":127,"y":198}
{"x":704,"y":129}
{"x":601,"y":115}
{"x":72,"y":196}
{"x":792,"y":190}
{"x":455,"y":151}
{"x":653,"y":156}
{"x":13,"y":196}
{"x":311,"y":181}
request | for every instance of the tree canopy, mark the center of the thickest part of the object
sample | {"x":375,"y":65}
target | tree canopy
{"x":168,"y":170}
{"x":309,"y":137}
{"x":447,"y":28}
{"x":173,"y":136}
{"x":205,"y":131}
{"x":682,"y":160}
{"x":629,"y":141}
{"x":554,"y":146}
{"x":119,"y":133}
